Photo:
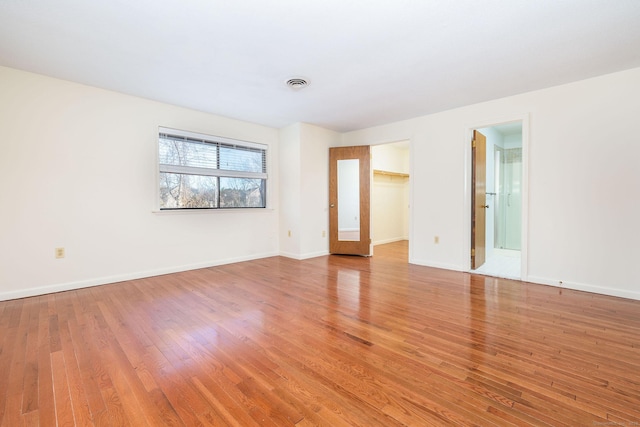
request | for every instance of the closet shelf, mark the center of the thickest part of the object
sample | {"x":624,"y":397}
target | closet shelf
{"x":388,"y":173}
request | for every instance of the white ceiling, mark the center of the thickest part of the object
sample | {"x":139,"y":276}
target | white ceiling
{"x":368,"y":62}
{"x":508,"y":129}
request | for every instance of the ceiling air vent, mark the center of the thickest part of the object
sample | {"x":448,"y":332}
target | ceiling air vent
{"x":297,"y":83}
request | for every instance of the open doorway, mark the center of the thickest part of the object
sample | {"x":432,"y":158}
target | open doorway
{"x":390,"y":196}
{"x":369,"y":199}
{"x":503,"y":201}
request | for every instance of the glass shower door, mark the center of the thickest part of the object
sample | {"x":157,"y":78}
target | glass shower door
{"x":508,"y":176}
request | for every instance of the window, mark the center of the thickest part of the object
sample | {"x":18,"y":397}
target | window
{"x":206,"y":172}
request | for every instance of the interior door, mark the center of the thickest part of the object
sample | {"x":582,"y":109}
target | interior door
{"x":478,"y":198}
{"x":350,"y":200}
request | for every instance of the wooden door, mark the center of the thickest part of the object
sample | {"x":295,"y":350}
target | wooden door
{"x":478,"y":198}
{"x":350,"y":200}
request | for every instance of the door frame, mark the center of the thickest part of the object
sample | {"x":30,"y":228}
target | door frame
{"x":468,"y":136}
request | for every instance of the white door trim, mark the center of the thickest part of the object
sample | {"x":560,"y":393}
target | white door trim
{"x":468,"y":135}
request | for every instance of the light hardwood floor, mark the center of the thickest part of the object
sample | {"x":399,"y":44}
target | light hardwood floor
{"x":335,"y":341}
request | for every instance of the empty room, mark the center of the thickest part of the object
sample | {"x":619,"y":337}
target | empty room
{"x":305,"y":213}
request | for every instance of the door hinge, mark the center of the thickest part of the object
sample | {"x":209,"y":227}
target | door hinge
{"x":473,"y":252}
{"x":473,"y":143}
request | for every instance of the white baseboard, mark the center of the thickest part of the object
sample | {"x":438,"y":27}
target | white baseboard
{"x":385,"y":241}
{"x":301,"y":257}
{"x":61,"y":287}
{"x":614,"y":292}
{"x":436,"y":265}
{"x":23,"y":293}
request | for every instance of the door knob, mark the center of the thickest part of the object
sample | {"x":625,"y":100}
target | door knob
{"x":332,"y":205}
{"x":484,"y":206}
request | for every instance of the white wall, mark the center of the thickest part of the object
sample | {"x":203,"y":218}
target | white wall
{"x":392,"y":157}
{"x":290,"y":190}
{"x":304,"y":190}
{"x":314,"y":164}
{"x":78,"y":170}
{"x":583,"y":207}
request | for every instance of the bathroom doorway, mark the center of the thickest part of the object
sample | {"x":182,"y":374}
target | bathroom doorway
{"x":503,"y":206}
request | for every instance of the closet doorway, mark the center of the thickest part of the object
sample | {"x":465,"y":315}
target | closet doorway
{"x":369,"y":198}
{"x":390,"y":193}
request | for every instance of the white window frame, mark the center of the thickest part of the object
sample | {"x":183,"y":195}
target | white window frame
{"x":220,"y":173}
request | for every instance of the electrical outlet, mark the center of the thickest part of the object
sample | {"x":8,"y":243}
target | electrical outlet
{"x":289,"y":233}
{"x":324,"y":233}
{"x":436,"y":239}
{"x":59,"y":253}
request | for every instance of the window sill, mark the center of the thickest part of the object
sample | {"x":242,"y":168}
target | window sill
{"x":209,"y":211}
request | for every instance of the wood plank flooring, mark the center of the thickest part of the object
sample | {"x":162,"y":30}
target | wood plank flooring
{"x":335,"y":341}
